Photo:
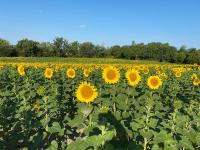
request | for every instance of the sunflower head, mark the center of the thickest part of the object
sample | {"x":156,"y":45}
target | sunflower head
{"x":86,"y":92}
{"x":20,"y":70}
{"x":48,"y":73}
{"x":178,"y":74}
{"x":196,"y":82}
{"x":36,"y":107}
{"x":86,"y":72}
{"x":71,"y":73}
{"x":194,"y":76}
{"x":158,"y":72}
{"x":154,"y":82}
{"x":111,"y":75}
{"x":133,"y":77}
{"x":163,"y":75}
{"x":146,"y":71}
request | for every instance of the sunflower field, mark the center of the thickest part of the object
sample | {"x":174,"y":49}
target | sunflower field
{"x":99,"y":106}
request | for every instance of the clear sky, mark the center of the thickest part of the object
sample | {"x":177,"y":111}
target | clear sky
{"x":102,"y":21}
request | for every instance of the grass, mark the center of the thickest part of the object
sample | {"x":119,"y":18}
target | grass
{"x":75,"y":60}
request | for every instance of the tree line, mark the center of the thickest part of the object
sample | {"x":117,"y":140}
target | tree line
{"x":61,"y":47}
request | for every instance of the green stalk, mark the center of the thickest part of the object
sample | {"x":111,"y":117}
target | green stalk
{"x":145,"y":143}
{"x":90,"y":120}
{"x":46,"y":115}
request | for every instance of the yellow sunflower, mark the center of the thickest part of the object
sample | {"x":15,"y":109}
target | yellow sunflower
{"x":178,"y":74}
{"x":48,"y":73}
{"x":158,"y":72}
{"x":86,"y":92}
{"x":133,"y":77}
{"x":20,"y":70}
{"x":154,"y":82}
{"x":111,"y":75}
{"x":86,"y":72}
{"x":36,"y":107}
{"x":146,"y":71}
{"x":196,"y":82}
{"x":71,"y":73}
{"x":163,"y":75}
{"x":194,"y":76}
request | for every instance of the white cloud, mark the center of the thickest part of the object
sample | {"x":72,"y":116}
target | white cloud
{"x":82,"y":26}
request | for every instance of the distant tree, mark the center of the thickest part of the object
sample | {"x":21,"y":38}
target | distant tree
{"x":4,"y":44}
{"x":180,"y":57}
{"x":193,"y":57}
{"x":183,"y":48}
{"x":74,"y":49}
{"x":61,"y":47}
{"x":28,"y":47}
{"x":46,"y":49}
{"x":6,"y":49}
{"x":100,"y":51}
{"x":133,"y":43}
{"x":116,"y":51}
{"x":87,"y":49}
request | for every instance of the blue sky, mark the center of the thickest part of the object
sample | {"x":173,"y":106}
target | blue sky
{"x":107,"y":22}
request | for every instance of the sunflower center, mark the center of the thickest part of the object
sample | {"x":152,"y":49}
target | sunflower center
{"x":111,"y":74}
{"x":21,"y":69}
{"x":86,"y":72}
{"x":178,"y":74}
{"x":154,"y":82}
{"x":133,"y":76}
{"x":86,"y":92}
{"x":146,"y":71}
{"x":48,"y":72}
{"x":71,"y":73}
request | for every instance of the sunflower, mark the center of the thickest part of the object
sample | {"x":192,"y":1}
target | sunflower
{"x":111,"y":75}
{"x":158,"y":72}
{"x":146,"y":71}
{"x":86,"y":92}
{"x":20,"y":70}
{"x":86,"y":72}
{"x":196,"y":82}
{"x":178,"y":74}
{"x":194,"y":76}
{"x":163,"y":75}
{"x":48,"y":73}
{"x":71,"y":73}
{"x":154,"y":82}
{"x":133,"y":77}
{"x":36,"y":107}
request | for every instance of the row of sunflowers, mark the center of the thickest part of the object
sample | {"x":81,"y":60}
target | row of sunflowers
{"x":95,"y":106}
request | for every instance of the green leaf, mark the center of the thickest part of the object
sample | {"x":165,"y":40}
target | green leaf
{"x":184,"y":142}
{"x":85,"y":109}
{"x":53,"y":146}
{"x":55,"y":127}
{"x":147,"y":134}
{"x":153,"y":123}
{"x":79,"y":119}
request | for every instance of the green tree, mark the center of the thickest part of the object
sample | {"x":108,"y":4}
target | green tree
{"x":61,"y":47}
{"x":74,"y":49}
{"x":87,"y":49}
{"x":100,"y":51}
{"x":6,"y":49}
{"x":180,"y":57}
{"x":116,"y":51}
{"x":193,"y":57}
{"x":46,"y":49}
{"x":28,"y":47}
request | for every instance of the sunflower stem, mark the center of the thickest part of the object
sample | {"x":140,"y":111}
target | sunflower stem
{"x":114,"y":107}
{"x":145,"y":143}
{"x":90,"y":120}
